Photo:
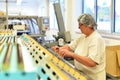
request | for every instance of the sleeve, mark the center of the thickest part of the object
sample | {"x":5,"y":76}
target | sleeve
{"x":97,"y":50}
{"x":75,"y":42}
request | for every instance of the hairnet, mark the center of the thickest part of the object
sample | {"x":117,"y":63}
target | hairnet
{"x":88,"y":20}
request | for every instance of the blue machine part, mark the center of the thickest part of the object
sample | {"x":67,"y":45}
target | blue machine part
{"x":43,"y":75}
{"x":18,"y":76}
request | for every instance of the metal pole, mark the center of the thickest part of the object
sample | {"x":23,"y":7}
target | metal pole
{"x":6,"y":14}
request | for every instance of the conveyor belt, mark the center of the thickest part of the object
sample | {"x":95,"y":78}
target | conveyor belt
{"x":20,"y":58}
{"x":50,"y":65}
{"x":40,"y":54}
{"x":11,"y":59}
{"x":1,"y":48}
{"x":3,"y":54}
{"x":2,"y":40}
{"x":1,"y":37}
{"x":9,"y":40}
{"x":7,"y":58}
{"x":14,"y":59}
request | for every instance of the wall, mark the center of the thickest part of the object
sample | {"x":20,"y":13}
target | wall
{"x":72,"y":11}
{"x":110,"y":42}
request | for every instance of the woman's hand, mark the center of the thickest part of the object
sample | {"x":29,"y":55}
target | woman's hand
{"x":56,"y":48}
{"x":65,"y":53}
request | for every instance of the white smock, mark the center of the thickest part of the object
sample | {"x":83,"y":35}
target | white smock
{"x":92,"y":46}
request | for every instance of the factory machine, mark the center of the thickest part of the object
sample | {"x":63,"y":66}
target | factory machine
{"x":22,"y":58}
{"x":50,"y":66}
{"x":12,"y":65}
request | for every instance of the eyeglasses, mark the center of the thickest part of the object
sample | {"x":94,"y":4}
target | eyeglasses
{"x":80,"y":25}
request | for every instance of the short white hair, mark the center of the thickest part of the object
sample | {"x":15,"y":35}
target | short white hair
{"x":88,"y":20}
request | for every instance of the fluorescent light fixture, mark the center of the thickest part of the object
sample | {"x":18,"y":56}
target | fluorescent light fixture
{"x":19,"y":2}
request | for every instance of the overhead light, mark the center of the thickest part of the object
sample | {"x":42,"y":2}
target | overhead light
{"x":19,"y":2}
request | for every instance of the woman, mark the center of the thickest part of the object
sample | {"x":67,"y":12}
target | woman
{"x":88,"y":50}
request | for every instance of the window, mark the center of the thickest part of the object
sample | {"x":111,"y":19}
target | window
{"x":101,"y":11}
{"x":88,"y":7}
{"x":104,"y":15}
{"x":117,"y":16}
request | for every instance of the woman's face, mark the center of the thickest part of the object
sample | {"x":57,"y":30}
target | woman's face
{"x":82,"y":27}
{"x":85,"y":29}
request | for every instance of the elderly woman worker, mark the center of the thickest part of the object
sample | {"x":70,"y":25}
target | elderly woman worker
{"x":88,"y":50}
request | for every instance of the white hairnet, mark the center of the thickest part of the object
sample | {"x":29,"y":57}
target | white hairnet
{"x":88,"y":20}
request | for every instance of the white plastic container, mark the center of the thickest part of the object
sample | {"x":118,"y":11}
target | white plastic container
{"x":61,"y":42}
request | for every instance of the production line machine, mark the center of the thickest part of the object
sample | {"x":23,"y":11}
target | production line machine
{"x":50,"y":65}
{"x":11,"y":59}
{"x":14,"y":60}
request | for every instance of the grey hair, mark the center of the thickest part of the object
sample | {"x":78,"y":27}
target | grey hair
{"x":88,"y":20}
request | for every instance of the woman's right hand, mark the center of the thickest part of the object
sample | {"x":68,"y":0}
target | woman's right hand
{"x":56,"y":48}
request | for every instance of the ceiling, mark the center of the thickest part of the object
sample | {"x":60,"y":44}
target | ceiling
{"x":23,"y":2}
{"x":24,"y":5}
